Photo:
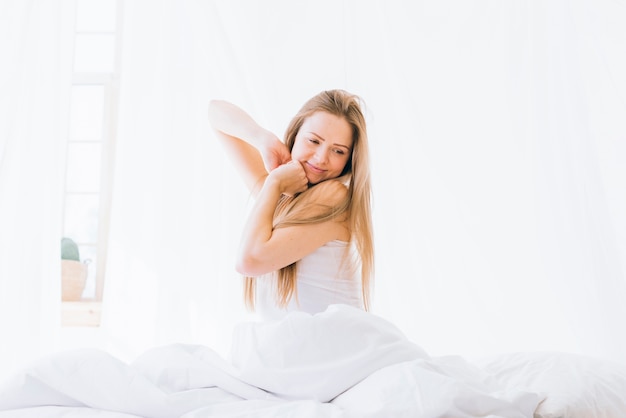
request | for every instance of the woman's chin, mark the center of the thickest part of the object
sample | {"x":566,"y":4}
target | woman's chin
{"x":313,"y":180}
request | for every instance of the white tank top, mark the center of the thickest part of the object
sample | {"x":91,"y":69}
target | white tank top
{"x":324,"y":278}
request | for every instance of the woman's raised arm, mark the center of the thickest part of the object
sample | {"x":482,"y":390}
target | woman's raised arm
{"x":254,"y":150}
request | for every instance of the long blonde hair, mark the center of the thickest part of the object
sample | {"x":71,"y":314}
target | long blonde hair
{"x":356,"y":205}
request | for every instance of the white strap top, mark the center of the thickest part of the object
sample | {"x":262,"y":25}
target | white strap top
{"x":324,"y":278}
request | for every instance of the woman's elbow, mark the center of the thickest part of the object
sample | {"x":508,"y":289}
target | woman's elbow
{"x":248,"y":266}
{"x":242,"y":269}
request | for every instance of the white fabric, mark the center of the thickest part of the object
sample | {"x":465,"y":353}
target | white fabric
{"x":324,"y":277}
{"x":577,"y":386}
{"x":36,"y":55}
{"x":291,"y":367}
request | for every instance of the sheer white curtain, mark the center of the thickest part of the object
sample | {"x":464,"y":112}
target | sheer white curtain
{"x":36,"y":52}
{"x":500,"y":194}
{"x":497,"y":137}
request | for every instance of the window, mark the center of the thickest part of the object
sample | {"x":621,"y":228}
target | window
{"x":89,"y":160}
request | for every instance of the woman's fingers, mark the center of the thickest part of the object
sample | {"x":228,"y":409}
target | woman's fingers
{"x":292,"y":178}
{"x":276,"y":155}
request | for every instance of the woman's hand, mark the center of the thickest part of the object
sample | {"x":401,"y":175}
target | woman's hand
{"x":290,"y":178}
{"x":273,"y":152}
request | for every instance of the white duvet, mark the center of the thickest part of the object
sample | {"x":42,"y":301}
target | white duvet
{"x":340,"y":363}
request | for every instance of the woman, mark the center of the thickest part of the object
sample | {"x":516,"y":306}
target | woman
{"x":308,"y":241}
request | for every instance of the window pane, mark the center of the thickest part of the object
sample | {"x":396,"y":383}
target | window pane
{"x":83,"y":167}
{"x":81,"y":218}
{"x":94,"y":53}
{"x":95,"y":15}
{"x":87,"y":113}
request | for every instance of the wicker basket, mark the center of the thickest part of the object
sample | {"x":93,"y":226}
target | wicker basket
{"x":73,"y":278}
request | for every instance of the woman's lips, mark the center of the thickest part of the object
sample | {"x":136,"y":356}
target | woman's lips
{"x":315,"y":169}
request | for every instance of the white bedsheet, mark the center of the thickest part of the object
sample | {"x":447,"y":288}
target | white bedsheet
{"x":339,"y":363}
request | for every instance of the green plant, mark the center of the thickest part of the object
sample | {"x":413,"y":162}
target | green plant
{"x":69,"y":249}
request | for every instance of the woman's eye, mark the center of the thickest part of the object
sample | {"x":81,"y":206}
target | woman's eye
{"x":340,"y":151}
{"x":314,"y":141}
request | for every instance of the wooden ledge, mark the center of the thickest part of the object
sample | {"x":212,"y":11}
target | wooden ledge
{"x":81,"y":313}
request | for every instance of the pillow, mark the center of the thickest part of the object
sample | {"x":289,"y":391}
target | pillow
{"x":575,"y":386}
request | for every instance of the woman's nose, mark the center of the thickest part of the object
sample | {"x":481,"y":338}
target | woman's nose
{"x":321,"y":155}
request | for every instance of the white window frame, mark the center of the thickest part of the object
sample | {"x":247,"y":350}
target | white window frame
{"x":87,"y":312}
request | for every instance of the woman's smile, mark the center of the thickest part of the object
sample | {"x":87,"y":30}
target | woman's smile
{"x":314,"y":168}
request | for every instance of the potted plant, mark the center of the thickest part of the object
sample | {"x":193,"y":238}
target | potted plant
{"x":73,"y":272}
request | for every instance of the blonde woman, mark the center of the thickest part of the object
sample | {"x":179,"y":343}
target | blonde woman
{"x":307,"y":243}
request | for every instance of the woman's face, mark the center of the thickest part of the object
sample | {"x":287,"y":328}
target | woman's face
{"x":323,"y":145}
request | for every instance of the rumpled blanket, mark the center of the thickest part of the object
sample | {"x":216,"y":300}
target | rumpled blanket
{"x":343,"y":362}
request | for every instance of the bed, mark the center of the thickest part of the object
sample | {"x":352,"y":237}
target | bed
{"x":342,"y":363}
